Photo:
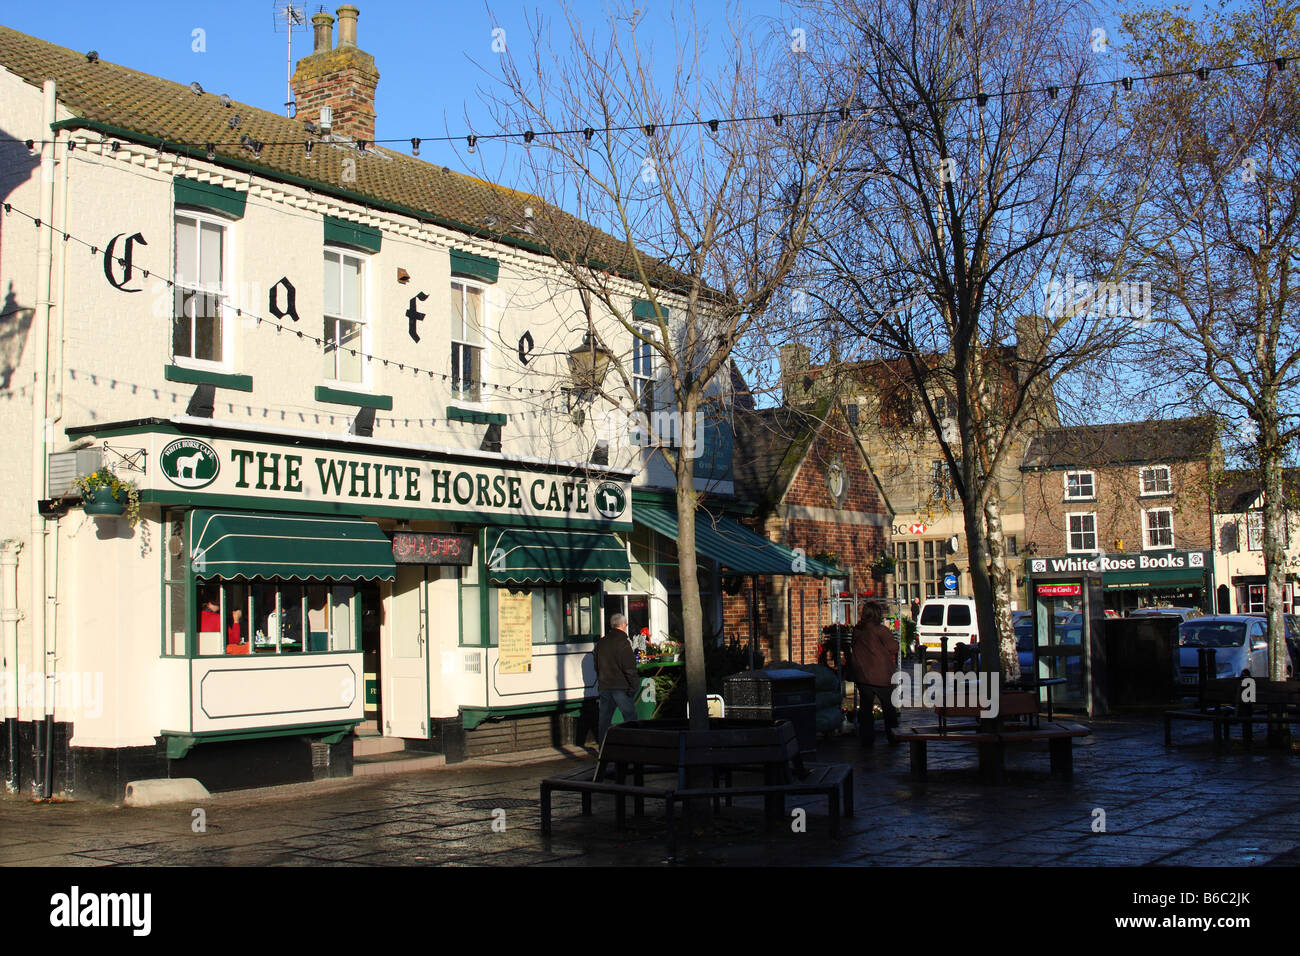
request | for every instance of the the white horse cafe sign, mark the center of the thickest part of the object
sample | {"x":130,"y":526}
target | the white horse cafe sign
{"x":217,"y":468}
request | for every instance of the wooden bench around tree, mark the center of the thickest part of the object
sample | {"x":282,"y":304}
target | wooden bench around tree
{"x":677,"y":756}
{"x":1226,"y":701}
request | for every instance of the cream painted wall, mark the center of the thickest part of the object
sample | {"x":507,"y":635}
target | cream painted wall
{"x":115,"y":346}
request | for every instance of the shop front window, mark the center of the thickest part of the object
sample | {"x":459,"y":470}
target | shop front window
{"x":276,"y":617}
{"x":559,"y":615}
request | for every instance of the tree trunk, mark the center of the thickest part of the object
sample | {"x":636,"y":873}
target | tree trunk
{"x":1274,"y":543}
{"x":692,"y":618}
{"x":1000,"y":585}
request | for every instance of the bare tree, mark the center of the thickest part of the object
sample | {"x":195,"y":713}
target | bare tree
{"x":706,"y":194}
{"x":977,"y":176}
{"x":1222,"y":234}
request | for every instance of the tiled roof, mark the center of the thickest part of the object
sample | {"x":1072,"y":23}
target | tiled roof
{"x":1182,"y":439}
{"x":1237,"y":490}
{"x":770,"y":444}
{"x":155,"y":109}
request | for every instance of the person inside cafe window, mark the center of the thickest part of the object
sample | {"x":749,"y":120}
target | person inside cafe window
{"x":210,"y":621}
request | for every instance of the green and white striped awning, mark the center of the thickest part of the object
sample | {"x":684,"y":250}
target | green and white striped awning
{"x":732,"y":545}
{"x":241,"y":544}
{"x":530,"y":556}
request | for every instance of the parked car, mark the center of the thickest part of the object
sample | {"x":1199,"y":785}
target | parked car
{"x":1182,"y":613}
{"x":1239,"y":642}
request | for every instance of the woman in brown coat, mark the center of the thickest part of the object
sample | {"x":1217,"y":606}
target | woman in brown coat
{"x":872,"y":665}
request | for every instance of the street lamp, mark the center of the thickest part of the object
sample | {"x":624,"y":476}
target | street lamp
{"x":588,"y":366}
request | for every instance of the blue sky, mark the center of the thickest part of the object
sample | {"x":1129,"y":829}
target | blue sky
{"x":432,"y":55}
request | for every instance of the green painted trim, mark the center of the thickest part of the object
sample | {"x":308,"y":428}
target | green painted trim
{"x":645,"y":309}
{"x":344,"y":232}
{"x":472,"y":717}
{"x":338,"y":396}
{"x":456,"y":414}
{"x":218,"y":199}
{"x":194,"y":376}
{"x":423,"y":216}
{"x":180,"y":744}
{"x":164,"y":426}
{"x":485,"y":594}
{"x":303,"y":506}
{"x":474,"y":267}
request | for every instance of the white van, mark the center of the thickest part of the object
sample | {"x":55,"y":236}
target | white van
{"x":951,"y":617}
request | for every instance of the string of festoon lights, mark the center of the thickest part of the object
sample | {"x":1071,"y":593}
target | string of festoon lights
{"x":844,"y":113}
{"x":281,"y":329}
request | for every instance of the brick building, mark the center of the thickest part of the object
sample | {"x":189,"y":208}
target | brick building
{"x":1134,"y":498}
{"x":884,"y":401}
{"x":815,"y":490}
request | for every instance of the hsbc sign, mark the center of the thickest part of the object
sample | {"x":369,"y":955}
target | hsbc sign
{"x":909,"y":528}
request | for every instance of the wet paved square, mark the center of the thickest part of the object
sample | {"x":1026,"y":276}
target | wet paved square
{"x":1186,"y":805}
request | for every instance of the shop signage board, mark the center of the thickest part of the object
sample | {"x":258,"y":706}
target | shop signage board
{"x":198,"y":469}
{"x":514,"y":631}
{"x":1108,"y":563}
{"x":418,"y":547}
{"x":1060,"y":590}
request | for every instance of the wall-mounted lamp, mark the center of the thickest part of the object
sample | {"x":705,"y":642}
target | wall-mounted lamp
{"x":588,"y":366}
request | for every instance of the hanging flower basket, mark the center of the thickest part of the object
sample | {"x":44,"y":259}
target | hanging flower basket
{"x":105,"y":494}
{"x":102,"y":501}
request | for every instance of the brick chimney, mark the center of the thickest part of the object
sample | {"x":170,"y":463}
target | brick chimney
{"x":342,"y":78}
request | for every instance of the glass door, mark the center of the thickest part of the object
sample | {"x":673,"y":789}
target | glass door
{"x":1059,"y":627}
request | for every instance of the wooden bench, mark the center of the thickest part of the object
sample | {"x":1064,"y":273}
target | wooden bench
{"x":728,"y":747}
{"x":1276,"y":704}
{"x":992,"y":745}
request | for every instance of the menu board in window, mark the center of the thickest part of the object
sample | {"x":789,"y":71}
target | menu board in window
{"x":514,"y":632}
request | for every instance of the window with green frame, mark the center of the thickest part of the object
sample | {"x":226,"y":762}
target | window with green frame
{"x":276,"y":617}
{"x":569,"y":614}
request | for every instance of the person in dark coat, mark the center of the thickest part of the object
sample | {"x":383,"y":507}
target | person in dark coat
{"x":616,"y":677}
{"x":873,"y":661}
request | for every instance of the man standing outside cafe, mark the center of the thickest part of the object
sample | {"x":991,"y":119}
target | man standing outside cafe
{"x":616,"y":676}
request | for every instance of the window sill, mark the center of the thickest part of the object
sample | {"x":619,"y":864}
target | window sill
{"x":456,"y":413}
{"x":190,"y":375}
{"x":339,"y":396}
{"x":1079,"y":501}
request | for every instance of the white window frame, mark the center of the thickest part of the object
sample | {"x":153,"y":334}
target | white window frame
{"x":1092,"y":479}
{"x":484,"y":366}
{"x":1146,"y":529}
{"x":1255,"y":530}
{"x":226,"y":361}
{"x":1069,"y":533}
{"x":365,"y":321}
{"x":1142,"y":485}
{"x":644,"y":381}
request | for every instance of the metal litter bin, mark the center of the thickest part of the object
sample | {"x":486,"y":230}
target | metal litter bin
{"x":776,"y":694}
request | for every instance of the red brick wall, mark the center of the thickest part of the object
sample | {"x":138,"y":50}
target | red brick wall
{"x":856,"y":545}
{"x":1118,"y":507}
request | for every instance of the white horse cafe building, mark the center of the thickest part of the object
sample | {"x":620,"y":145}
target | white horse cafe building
{"x":346,"y":408}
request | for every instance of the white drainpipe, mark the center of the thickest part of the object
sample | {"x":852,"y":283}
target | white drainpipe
{"x":41,"y":427}
{"x":9,"y":625}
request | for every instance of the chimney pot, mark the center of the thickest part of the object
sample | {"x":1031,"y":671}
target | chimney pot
{"x":324,"y":26}
{"x":348,"y":25}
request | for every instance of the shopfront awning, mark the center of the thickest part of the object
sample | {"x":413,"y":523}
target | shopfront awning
{"x":233,"y":544}
{"x":528,"y":556}
{"x":734,"y":546}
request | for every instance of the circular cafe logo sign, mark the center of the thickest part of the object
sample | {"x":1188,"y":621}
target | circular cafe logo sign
{"x":610,"y":500}
{"x":189,"y":463}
